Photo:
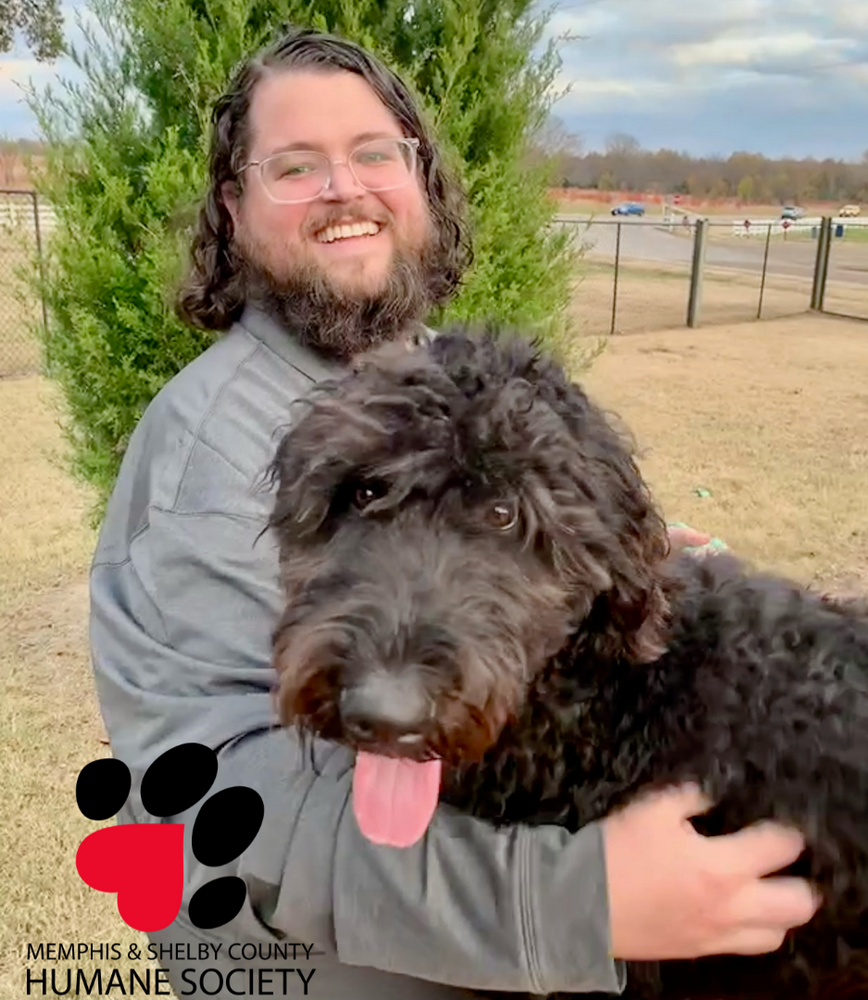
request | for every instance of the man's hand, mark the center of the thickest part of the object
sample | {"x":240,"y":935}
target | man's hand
{"x":681,"y":537}
{"x":674,"y":893}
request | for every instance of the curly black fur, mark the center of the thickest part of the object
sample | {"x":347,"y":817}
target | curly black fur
{"x":462,"y":521}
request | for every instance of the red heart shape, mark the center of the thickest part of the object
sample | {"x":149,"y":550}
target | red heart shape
{"x":144,"y":864}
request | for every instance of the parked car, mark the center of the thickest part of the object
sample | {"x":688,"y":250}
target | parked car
{"x":792,"y":212}
{"x":850,"y":211}
{"x":629,"y":208}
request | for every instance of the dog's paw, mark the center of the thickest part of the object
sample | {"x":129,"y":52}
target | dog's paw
{"x":144,"y":862}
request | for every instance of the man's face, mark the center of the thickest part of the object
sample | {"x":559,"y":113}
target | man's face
{"x":331,"y":113}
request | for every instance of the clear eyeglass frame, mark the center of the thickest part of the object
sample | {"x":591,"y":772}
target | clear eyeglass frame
{"x":410,"y":144}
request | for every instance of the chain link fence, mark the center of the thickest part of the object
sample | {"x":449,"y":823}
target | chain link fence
{"x":640,"y":275}
{"x":23,"y":221}
{"x":762,"y":270}
{"x":845,"y":291}
{"x":633,"y":276}
{"x":636,"y":274}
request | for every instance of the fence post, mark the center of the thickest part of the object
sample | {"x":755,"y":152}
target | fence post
{"x":38,"y":229}
{"x":699,"y":241}
{"x":615,"y":287}
{"x":821,"y":266}
{"x":759,"y":312}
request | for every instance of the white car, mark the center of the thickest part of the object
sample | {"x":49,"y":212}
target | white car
{"x":850,"y":212}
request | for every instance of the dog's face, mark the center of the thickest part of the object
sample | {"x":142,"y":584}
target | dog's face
{"x":450,"y":518}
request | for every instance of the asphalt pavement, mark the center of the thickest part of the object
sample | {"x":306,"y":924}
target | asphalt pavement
{"x":648,"y":240}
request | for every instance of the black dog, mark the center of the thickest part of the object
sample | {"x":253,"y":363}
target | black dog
{"x":480,"y":601}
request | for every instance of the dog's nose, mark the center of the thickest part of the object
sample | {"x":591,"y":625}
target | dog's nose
{"x":387,"y":708}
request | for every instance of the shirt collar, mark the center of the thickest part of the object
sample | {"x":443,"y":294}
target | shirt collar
{"x":305,"y":359}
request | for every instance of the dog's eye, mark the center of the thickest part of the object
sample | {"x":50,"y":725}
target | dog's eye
{"x":367,"y":492}
{"x":502,"y":514}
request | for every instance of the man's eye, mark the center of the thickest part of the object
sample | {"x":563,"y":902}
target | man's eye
{"x":298,"y":170}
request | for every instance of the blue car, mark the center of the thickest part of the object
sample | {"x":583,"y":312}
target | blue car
{"x":629,"y":208}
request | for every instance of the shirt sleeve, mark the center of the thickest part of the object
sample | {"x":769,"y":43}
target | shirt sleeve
{"x":180,"y":636}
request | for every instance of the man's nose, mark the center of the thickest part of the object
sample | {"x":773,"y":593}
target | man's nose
{"x":387,"y":707}
{"x":342,"y":184}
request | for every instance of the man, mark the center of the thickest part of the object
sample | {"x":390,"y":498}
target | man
{"x":331,"y":225}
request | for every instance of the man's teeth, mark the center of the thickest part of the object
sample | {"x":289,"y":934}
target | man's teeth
{"x":332,"y":233}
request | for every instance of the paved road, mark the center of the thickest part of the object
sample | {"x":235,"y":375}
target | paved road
{"x":650,"y":242}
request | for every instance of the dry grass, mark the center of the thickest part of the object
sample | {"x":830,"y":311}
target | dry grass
{"x":771,"y":418}
{"x":50,"y":725}
{"x":43,"y":543}
{"x":654,"y":297}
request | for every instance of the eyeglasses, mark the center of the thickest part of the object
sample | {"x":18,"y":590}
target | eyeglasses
{"x":296,"y":176}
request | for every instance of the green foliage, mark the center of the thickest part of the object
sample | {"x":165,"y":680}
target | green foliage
{"x":126,"y":153}
{"x":39,"y":21}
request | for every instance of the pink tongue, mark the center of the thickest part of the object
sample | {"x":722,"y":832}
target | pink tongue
{"x":394,"y":799}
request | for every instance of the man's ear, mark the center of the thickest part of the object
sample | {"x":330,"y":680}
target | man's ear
{"x":230,"y":195}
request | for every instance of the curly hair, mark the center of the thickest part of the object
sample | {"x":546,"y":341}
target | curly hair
{"x":213,"y":294}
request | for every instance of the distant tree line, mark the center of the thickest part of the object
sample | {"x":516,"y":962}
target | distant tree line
{"x":625,"y":166}
{"x":24,"y":147}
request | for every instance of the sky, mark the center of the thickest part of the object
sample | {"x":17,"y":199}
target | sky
{"x":708,"y":77}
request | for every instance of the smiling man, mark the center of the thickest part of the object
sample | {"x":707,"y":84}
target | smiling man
{"x":330,"y":226}
{"x":335,"y":223}
{"x":330,"y":211}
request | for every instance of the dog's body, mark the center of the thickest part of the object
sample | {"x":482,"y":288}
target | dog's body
{"x":759,"y":698}
{"x":477,"y":576}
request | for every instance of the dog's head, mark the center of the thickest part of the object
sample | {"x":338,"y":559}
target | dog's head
{"x":450,"y":518}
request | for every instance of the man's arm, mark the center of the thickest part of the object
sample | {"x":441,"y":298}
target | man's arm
{"x":181,"y":647}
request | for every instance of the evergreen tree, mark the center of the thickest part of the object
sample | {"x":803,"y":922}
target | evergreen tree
{"x":126,"y":164}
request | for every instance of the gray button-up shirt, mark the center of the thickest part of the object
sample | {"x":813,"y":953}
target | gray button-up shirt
{"x":185,"y":595}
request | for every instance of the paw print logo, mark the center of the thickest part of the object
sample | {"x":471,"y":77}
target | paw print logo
{"x":144,"y":862}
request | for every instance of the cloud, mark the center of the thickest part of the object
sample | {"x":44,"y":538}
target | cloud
{"x":769,"y":75}
{"x":19,"y":70}
{"x":16,"y":74}
{"x":659,"y":21}
{"x":774,"y":76}
{"x":799,"y":51}
{"x":12,"y":70}
{"x":850,"y":16}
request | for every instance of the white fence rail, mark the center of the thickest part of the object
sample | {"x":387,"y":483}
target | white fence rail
{"x":16,"y":213}
{"x":760,"y":227}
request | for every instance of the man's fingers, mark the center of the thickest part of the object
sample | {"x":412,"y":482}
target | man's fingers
{"x":751,"y":941}
{"x":679,"y":802}
{"x":758,"y":850}
{"x":777,"y":903}
{"x":682,"y":536}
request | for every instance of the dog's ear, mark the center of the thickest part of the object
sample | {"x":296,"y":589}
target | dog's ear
{"x":630,"y":621}
{"x":371,"y":422}
{"x":313,"y":458}
{"x":304,"y":485}
{"x":625,"y":541}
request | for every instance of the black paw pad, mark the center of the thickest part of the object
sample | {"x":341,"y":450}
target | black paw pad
{"x":225,"y":826}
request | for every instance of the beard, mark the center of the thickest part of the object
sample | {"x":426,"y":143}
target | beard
{"x":338,"y":322}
